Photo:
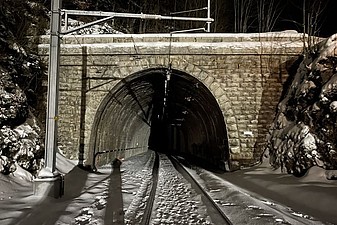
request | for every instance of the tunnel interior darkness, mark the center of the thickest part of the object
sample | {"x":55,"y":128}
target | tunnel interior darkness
{"x":164,"y":110}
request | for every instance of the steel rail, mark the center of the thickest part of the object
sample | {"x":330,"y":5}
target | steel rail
{"x":150,"y":201}
{"x":182,"y":170}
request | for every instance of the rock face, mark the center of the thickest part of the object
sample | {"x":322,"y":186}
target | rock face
{"x":21,"y":75}
{"x":304,"y":132}
{"x":19,"y":130}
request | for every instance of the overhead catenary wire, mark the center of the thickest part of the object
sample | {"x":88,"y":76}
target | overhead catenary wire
{"x":188,"y":11}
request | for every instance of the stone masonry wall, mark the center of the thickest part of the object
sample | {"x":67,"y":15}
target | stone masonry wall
{"x":245,"y":74}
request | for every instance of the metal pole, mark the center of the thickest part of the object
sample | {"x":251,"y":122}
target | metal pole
{"x":53,"y":92}
{"x":49,"y":181}
{"x":66,"y":21}
{"x":133,"y":15}
{"x":209,"y":16}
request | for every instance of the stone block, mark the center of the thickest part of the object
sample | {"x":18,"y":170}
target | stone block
{"x":208,"y":81}
{"x":235,"y":150}
{"x":219,"y":92}
{"x":232,"y":127}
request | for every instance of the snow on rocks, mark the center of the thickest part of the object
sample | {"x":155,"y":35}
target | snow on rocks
{"x":304,"y":131}
{"x":176,"y":202}
{"x":333,"y":107}
{"x":12,"y":99}
{"x":20,"y":145}
{"x":19,"y":138}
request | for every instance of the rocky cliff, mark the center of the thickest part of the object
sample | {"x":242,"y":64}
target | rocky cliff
{"x":21,"y":74}
{"x":304,"y":132}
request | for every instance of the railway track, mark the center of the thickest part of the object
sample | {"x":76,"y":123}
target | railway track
{"x":169,"y":193}
{"x":150,"y":201}
{"x":213,"y":210}
{"x":172,"y":204}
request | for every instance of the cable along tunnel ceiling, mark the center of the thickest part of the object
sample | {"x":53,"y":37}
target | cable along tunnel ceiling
{"x":178,"y":116}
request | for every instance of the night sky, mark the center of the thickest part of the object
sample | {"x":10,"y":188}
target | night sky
{"x":329,"y":26}
{"x":292,"y":17}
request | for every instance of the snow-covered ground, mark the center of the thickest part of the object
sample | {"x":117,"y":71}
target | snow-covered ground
{"x":88,"y":198}
{"x":309,"y":196}
{"x":245,"y":207}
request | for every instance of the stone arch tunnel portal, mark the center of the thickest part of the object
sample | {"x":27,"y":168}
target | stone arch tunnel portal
{"x":165,"y":110}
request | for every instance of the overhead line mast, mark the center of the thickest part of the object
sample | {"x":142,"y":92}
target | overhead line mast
{"x":49,"y":180}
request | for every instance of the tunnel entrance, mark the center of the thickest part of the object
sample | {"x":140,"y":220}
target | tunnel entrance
{"x":165,"y":110}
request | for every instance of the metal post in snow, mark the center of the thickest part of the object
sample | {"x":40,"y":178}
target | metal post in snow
{"x":53,"y":88}
{"x":49,"y":181}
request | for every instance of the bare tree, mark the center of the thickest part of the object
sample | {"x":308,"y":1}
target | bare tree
{"x":268,"y":12}
{"x":242,"y":15}
{"x":312,"y":11}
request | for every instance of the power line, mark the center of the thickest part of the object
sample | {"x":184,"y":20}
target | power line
{"x":187,"y":11}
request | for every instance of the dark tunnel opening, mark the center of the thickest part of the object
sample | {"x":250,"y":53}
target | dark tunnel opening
{"x":167,"y":110}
